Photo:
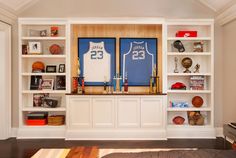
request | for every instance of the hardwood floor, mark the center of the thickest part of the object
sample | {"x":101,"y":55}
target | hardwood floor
{"x":13,"y":148}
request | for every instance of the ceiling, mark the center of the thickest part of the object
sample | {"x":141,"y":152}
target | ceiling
{"x":219,"y":6}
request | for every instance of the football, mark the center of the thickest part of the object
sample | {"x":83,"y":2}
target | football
{"x":55,"y":49}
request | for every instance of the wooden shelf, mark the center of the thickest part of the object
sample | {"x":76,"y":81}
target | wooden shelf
{"x":43,"y":109}
{"x":189,"y":109}
{"x":43,"y":38}
{"x":43,"y":74}
{"x":188,"y":91}
{"x":43,"y":56}
{"x":189,"y":53}
{"x":190,"y":38}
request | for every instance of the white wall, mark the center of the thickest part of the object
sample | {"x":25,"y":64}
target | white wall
{"x":120,"y":8}
{"x":229,"y":72}
{"x":125,"y":8}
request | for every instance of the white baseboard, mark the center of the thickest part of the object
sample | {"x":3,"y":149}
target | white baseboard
{"x":14,"y":132}
{"x":191,"y":133}
{"x":116,"y":135}
{"x":219,"y":132}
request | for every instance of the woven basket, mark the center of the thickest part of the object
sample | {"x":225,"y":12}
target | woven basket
{"x":56,"y":120}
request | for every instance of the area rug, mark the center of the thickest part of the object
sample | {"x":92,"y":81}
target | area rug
{"x":62,"y":153}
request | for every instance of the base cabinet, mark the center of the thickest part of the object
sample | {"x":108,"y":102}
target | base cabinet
{"x":115,"y":117}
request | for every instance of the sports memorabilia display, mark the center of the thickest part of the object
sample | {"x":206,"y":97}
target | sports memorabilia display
{"x":179,"y":45}
{"x":186,"y":34}
{"x":187,"y":63}
{"x":137,"y":59}
{"x":97,"y":59}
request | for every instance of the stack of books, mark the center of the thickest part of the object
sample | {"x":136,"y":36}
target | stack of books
{"x":36,"y":118}
{"x":197,"y":82}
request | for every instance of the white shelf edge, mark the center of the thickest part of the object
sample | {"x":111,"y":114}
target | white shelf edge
{"x":189,"y":38}
{"x":188,"y":91}
{"x":43,"y":38}
{"x":43,"y":91}
{"x":170,"y":109}
{"x":189,"y":74}
{"x":189,"y":53}
{"x":62,"y":127}
{"x":43,"y":56}
{"x":43,"y":109}
{"x":186,"y":126}
{"x":43,"y":74}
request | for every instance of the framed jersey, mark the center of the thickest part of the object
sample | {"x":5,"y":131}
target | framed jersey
{"x":97,"y":60}
{"x":138,"y":58}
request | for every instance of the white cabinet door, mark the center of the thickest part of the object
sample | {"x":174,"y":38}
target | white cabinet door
{"x":128,"y":111}
{"x":103,"y":112}
{"x":151,"y":112}
{"x":79,"y":114}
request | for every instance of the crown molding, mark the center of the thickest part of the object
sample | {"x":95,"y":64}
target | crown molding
{"x":7,"y":16}
{"x":204,"y":2}
{"x":227,"y":16}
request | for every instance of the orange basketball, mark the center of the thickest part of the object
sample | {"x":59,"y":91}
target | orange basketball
{"x":197,"y":101}
{"x":38,"y":65}
{"x":55,"y":49}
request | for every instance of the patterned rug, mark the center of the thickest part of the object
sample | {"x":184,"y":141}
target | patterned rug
{"x":62,"y":153}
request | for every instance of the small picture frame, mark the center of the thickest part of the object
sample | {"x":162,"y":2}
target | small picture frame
{"x":43,"y":33}
{"x":60,"y":83}
{"x":35,"y":82}
{"x":38,"y":99}
{"x":51,"y":68}
{"x":24,"y":49}
{"x":61,"y":68}
{"x":35,"y":48}
{"x":47,"y":84}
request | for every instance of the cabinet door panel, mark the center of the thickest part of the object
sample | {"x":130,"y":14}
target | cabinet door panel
{"x":151,"y":112}
{"x":103,"y":112}
{"x":128,"y":111}
{"x":80,"y":113}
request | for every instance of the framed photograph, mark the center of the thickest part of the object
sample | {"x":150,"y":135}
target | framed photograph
{"x":47,"y":84}
{"x":61,"y":68}
{"x":51,"y":68}
{"x":24,"y":49}
{"x":35,"y":48}
{"x":38,"y":99}
{"x":35,"y":82}
{"x":60,"y":83}
{"x":138,"y":59}
{"x":97,"y":60}
{"x":43,"y":33}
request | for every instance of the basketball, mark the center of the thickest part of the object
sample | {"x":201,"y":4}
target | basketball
{"x":178,"y":120}
{"x":197,"y":101}
{"x":38,"y":65}
{"x":55,"y":49}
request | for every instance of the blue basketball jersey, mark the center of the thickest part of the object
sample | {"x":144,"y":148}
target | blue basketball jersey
{"x":138,"y":63}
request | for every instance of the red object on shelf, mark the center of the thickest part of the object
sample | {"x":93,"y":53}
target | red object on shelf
{"x":37,"y":122}
{"x":186,"y":34}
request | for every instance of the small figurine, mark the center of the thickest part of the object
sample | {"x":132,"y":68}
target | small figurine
{"x":197,"y":67}
{"x":176,"y":65}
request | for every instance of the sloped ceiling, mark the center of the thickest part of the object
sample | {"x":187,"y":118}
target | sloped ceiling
{"x":222,"y":7}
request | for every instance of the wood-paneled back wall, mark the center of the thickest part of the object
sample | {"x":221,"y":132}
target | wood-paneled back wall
{"x":117,"y":31}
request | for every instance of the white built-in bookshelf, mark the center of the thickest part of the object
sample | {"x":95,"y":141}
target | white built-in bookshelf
{"x":206,"y":61}
{"x":25,"y":72}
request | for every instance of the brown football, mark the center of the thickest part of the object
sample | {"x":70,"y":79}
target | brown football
{"x":38,"y":65}
{"x":197,"y":101}
{"x":178,"y":120}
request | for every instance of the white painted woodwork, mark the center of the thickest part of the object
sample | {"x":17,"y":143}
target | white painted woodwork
{"x":5,"y":81}
{"x":103,"y":109}
{"x":151,"y":112}
{"x":128,"y":111}
{"x":80,"y":113}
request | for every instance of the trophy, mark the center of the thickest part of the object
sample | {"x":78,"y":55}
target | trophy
{"x":176,"y":65}
{"x":187,"y":63}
